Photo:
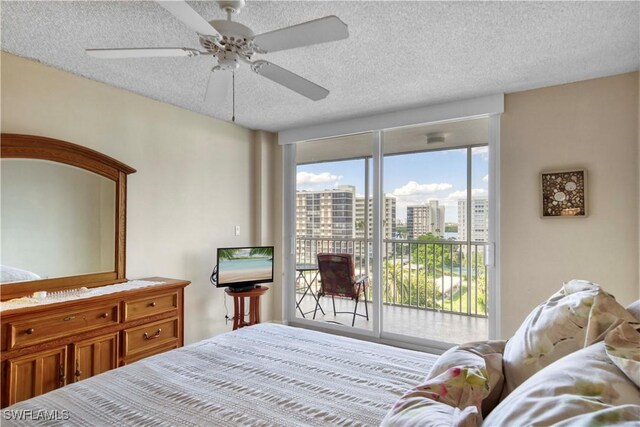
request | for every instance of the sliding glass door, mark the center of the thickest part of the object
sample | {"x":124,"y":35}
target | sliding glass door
{"x":433,"y":271}
{"x":333,"y":216}
{"x":420,"y":234}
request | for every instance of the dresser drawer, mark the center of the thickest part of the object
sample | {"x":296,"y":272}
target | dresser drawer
{"x":135,"y":309}
{"x":143,"y":338}
{"x":151,"y":352}
{"x":28,"y":332}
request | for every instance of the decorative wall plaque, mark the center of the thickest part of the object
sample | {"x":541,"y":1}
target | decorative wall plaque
{"x":564,"y":193}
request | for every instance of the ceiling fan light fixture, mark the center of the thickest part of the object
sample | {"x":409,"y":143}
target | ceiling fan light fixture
{"x":435,"y":138}
{"x":230,"y":42}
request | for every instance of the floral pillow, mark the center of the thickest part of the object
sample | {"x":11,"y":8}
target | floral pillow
{"x":451,"y":398}
{"x":578,"y":315}
{"x":421,"y":412}
{"x":580,"y":388}
{"x":485,"y":355}
{"x":623,"y":348}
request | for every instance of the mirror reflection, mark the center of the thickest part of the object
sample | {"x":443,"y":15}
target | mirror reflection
{"x":56,"y":221}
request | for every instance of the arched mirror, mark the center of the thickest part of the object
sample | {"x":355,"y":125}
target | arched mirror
{"x":63,"y":216}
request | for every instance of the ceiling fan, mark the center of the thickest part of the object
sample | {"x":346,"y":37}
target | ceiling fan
{"x":231,"y":43}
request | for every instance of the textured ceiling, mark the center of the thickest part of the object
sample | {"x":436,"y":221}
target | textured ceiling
{"x":398,"y":55}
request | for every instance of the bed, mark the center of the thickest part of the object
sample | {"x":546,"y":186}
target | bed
{"x":263,"y":375}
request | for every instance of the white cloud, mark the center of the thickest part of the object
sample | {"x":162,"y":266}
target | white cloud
{"x":486,"y":178}
{"x":412,"y":188}
{"x":414,"y":193}
{"x":316,"y":181}
{"x":316,"y":178}
{"x":461,"y":194}
{"x":481,"y":151}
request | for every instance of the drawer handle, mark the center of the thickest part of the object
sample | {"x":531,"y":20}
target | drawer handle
{"x":105,"y":315}
{"x":30,"y":331}
{"x":66,"y":319}
{"x":152,"y":304}
{"x":62,"y":376}
{"x":150,"y":337}
{"x":78,"y":371}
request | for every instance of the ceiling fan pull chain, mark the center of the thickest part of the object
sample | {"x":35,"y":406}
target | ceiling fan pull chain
{"x":233,"y":102}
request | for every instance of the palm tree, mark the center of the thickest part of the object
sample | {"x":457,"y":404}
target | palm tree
{"x":227,"y":253}
{"x":268,"y":252}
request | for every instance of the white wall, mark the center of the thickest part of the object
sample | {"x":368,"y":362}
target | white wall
{"x":591,"y":124}
{"x":51,"y":210}
{"x":194,"y":181}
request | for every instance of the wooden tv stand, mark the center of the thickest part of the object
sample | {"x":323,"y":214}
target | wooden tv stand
{"x":254,"y":305}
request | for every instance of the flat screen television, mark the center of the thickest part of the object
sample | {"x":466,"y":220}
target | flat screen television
{"x":244,"y":267}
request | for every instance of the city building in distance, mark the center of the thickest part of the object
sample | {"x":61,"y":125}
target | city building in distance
{"x":339,"y":213}
{"x":388,"y":220}
{"x":425,"y":219}
{"x":479,"y":219}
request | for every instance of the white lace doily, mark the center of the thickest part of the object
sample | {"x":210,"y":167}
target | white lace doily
{"x":75,"y":294}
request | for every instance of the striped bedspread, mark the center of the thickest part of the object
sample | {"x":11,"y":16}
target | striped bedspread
{"x":264,"y":375}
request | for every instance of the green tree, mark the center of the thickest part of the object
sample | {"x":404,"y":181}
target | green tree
{"x":434,"y":256}
{"x":408,"y":285}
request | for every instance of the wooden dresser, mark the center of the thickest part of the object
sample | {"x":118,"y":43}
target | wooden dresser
{"x":50,"y":346}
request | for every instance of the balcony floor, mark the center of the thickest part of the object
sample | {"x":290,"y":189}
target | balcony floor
{"x":433,"y":325}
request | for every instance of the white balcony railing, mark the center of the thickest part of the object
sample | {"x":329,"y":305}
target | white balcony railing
{"x":439,"y":275}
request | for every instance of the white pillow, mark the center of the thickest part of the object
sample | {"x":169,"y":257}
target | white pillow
{"x":575,"y":386}
{"x":12,"y":274}
{"x":634,"y":308}
{"x":623,"y":348}
{"x":578,"y":315}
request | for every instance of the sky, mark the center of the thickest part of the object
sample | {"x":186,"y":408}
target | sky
{"x":412,"y":178}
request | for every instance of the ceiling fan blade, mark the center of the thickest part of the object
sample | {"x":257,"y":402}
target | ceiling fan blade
{"x":219,"y":85}
{"x":327,"y":29}
{"x":143,"y":52}
{"x":189,"y":17}
{"x":290,"y":80}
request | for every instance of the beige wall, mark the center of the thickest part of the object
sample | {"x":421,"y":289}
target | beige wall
{"x":268,"y":207}
{"x":591,"y":124}
{"x":194,"y":181}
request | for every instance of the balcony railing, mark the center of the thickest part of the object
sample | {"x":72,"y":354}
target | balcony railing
{"x":440,"y":275}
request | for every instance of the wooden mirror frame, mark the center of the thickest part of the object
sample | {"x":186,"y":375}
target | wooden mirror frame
{"x":16,"y":146}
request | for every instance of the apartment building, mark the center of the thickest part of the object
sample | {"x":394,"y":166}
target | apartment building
{"x":340,"y":213}
{"x":479,"y":219}
{"x":326,"y":213}
{"x":388,"y":219}
{"x":425,"y":219}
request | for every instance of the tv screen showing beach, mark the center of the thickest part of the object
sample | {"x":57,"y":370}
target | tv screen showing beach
{"x":245,"y":265}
